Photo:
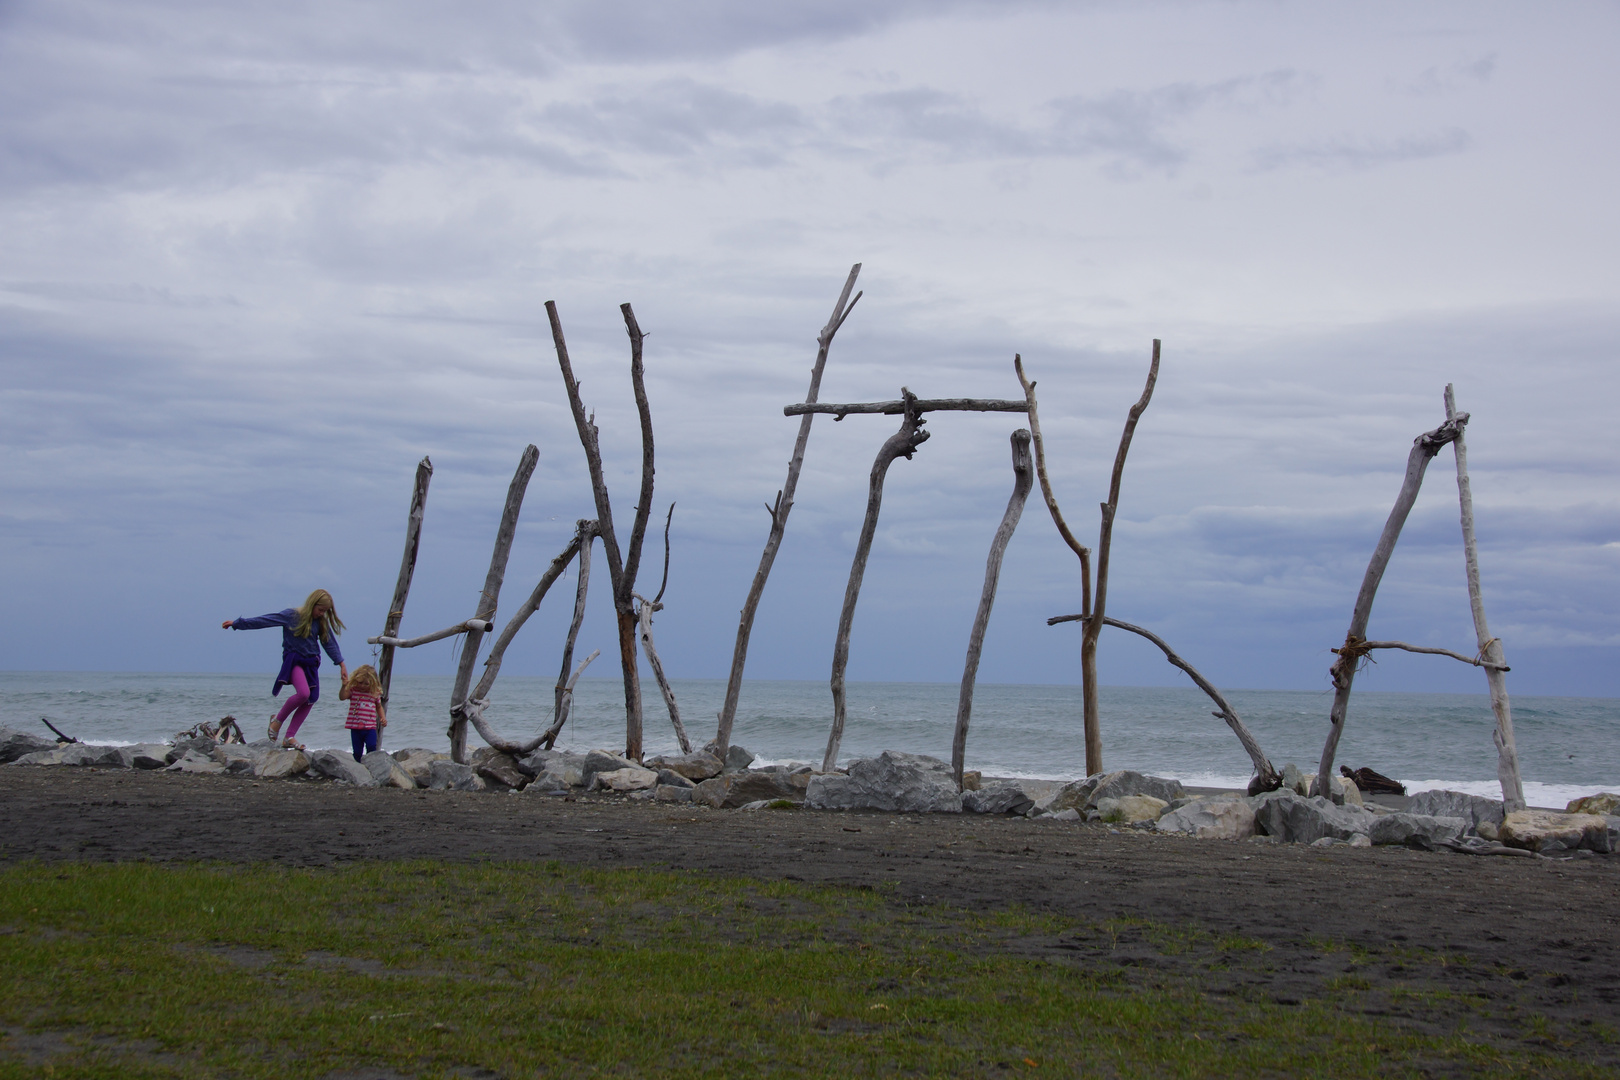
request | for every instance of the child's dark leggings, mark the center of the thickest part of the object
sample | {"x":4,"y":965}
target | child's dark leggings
{"x":364,"y":739}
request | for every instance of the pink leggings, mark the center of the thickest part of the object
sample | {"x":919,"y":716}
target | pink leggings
{"x":297,"y":704}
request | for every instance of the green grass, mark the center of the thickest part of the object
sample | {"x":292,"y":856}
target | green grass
{"x":421,"y":969}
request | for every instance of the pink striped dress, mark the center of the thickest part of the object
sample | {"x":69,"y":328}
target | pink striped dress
{"x":362,"y":711}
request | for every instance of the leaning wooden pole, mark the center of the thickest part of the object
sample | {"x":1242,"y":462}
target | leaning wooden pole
{"x":587,"y":532}
{"x":644,"y":614}
{"x":779,"y":515}
{"x":902,"y":443}
{"x":1023,"y":481}
{"x":1490,"y":648}
{"x":407,"y":568}
{"x":1105,"y":538}
{"x":1343,"y":671}
{"x":488,"y":599}
{"x":1039,"y":447}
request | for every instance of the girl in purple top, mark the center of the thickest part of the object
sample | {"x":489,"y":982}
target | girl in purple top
{"x":305,"y":631}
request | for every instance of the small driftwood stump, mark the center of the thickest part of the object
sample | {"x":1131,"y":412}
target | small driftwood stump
{"x":1343,"y":671}
{"x":1023,"y":481}
{"x":902,"y":443}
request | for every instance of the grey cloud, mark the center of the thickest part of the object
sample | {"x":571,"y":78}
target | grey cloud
{"x":677,"y":118}
{"x":1355,"y":154}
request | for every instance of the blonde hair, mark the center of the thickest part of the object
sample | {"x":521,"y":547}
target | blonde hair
{"x":364,"y":680}
{"x":329,"y":623}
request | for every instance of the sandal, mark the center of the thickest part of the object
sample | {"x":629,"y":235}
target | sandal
{"x":275,"y":727}
{"x":291,"y":744}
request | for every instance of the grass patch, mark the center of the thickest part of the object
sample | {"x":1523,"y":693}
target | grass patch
{"x":424,"y":969}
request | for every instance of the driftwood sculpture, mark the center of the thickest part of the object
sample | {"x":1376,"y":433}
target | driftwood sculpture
{"x":1490,"y":649}
{"x":407,"y":567}
{"x":622,"y":568}
{"x":779,"y":516}
{"x":1355,"y":647}
{"x":1022,"y":482}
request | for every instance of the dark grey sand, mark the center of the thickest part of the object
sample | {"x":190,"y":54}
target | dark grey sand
{"x":1485,"y":942}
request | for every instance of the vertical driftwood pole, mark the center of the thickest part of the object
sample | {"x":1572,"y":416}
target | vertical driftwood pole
{"x":1490,"y":649}
{"x":1105,"y":537}
{"x":1343,"y":671}
{"x":779,"y":515}
{"x":902,"y":443}
{"x":407,"y":567}
{"x":488,"y":599}
{"x":587,"y":538}
{"x":1022,"y":483}
{"x":621,"y":569}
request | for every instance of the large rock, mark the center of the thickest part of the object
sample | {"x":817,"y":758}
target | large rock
{"x":386,"y":771}
{"x":1296,"y":781}
{"x":1417,"y":830}
{"x":1606,"y":802}
{"x":1545,"y":831}
{"x":501,"y":770}
{"x":1345,"y":792}
{"x":1210,"y":819}
{"x":892,"y":781}
{"x":1130,"y":809}
{"x":282,"y":764}
{"x":1003,"y":797}
{"x":145,"y":755}
{"x":738,"y":759}
{"x":601,"y":761}
{"x":762,"y":784}
{"x":671,"y":794}
{"x":193,"y":762}
{"x":669,"y":778}
{"x":557,"y":768}
{"x":1083,"y":795}
{"x":1475,"y":810}
{"x":202,"y":744}
{"x":339,"y":765}
{"x":447,"y":775}
{"x":100,"y":757}
{"x":712,"y":792}
{"x":1293,"y":819}
{"x":418,"y":763}
{"x":696,"y":766}
{"x":14,"y":744}
{"x":53,"y":756}
{"x":625,"y":780}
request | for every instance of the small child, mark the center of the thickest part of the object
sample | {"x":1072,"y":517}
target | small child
{"x":363,"y":692}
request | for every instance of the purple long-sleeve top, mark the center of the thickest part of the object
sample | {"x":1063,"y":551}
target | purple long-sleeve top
{"x":304,"y":652}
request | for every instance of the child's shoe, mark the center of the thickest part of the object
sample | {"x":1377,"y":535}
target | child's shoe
{"x":275,"y":727}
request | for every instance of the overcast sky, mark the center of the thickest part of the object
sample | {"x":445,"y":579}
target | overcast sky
{"x":257,"y":260}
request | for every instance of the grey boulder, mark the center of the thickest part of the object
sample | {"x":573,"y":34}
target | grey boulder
{"x":1293,"y":819}
{"x":418,"y":763}
{"x":1083,"y":795}
{"x":1003,"y":797}
{"x":1475,"y":810}
{"x":386,"y":771}
{"x":14,"y":744}
{"x":193,"y":762}
{"x":501,"y":770}
{"x":738,"y":759}
{"x":1211,"y":819}
{"x":278,"y":764}
{"x":447,"y":775}
{"x":145,"y":755}
{"x":1417,"y":830}
{"x":337,"y":765}
{"x":892,"y":781}
{"x":555,"y":769}
{"x":603,"y":761}
{"x":762,"y":784}
{"x":100,"y":757}
{"x":696,"y":766}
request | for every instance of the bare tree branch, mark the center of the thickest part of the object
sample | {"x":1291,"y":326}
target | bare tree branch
{"x":481,"y":625}
{"x":895,"y":408}
{"x":1046,"y":487}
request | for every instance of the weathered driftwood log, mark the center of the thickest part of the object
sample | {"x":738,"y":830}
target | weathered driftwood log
{"x":478,"y":700}
{"x":895,"y":408}
{"x":1105,"y":535}
{"x":1477,"y":661}
{"x":407,"y":567}
{"x":549,"y":739}
{"x":488,"y":599}
{"x":587,"y":534}
{"x":1490,"y":648}
{"x":902,"y":443}
{"x":1039,"y":447}
{"x":621,"y":566}
{"x":1266,"y":776}
{"x":1343,"y":671}
{"x":779,"y":516}
{"x":61,"y":737}
{"x":1023,"y":481}
{"x":481,"y":625}
{"x":1369,"y":781}
{"x":644,"y":614}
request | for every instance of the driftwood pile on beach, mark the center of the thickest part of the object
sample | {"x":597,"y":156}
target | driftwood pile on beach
{"x":898,"y":783}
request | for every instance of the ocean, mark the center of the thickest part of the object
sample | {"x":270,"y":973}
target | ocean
{"x":1567,"y":746}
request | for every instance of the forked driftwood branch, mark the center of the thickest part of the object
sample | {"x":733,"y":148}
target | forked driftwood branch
{"x":407,"y":567}
{"x":478,"y":701}
{"x":1266,"y":776}
{"x":481,"y":625}
{"x":1023,"y":481}
{"x":1490,"y":649}
{"x":902,"y":443}
{"x":488,"y":599}
{"x":1105,"y":536}
{"x":644,"y":614}
{"x":1039,"y":447}
{"x":1476,"y":660}
{"x":1343,"y":671}
{"x":779,"y":516}
{"x":549,"y":739}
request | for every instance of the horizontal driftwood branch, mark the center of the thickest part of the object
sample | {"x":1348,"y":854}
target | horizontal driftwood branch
{"x":481,"y":625}
{"x":921,"y":405}
{"x":1475,"y":660}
